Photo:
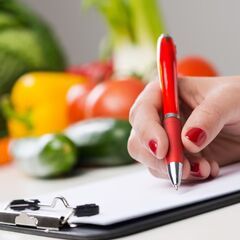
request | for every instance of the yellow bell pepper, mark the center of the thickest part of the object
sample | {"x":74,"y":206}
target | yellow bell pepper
{"x":39,"y":103}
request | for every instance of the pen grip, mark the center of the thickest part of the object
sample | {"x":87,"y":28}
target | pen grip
{"x":173,"y":128}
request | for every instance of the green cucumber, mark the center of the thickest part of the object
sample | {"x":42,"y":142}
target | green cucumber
{"x":97,"y":142}
{"x":49,"y":156}
{"x":101,"y":142}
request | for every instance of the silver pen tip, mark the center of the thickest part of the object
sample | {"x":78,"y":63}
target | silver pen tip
{"x":175,"y":173}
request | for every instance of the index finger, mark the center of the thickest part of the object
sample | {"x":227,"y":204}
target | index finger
{"x":145,"y":120}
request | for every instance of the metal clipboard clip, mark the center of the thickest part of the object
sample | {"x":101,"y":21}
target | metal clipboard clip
{"x":16,"y":213}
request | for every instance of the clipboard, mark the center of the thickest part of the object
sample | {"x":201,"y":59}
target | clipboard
{"x":100,"y":226}
{"x":121,"y":229}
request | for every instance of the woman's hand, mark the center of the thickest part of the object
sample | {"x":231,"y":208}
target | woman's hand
{"x":210,"y":134}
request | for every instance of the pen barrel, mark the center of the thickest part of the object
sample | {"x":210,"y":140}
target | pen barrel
{"x":169,"y":88}
{"x":173,"y":128}
{"x":168,"y":74}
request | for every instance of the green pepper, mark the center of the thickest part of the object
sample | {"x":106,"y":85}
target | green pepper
{"x":48,"y":156}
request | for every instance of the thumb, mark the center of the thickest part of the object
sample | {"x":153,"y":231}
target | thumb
{"x":207,"y":120}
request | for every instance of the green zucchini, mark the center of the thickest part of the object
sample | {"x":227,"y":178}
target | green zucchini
{"x":101,"y":142}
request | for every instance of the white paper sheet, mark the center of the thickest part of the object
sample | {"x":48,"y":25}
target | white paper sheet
{"x":134,"y":195}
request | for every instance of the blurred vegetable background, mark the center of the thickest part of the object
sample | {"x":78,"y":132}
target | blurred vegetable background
{"x":134,"y":27}
{"x":62,"y":118}
{"x":26,"y":44}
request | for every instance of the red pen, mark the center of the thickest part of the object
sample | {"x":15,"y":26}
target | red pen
{"x":167,"y":70}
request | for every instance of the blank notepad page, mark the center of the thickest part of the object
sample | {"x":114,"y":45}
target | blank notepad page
{"x":138,"y":194}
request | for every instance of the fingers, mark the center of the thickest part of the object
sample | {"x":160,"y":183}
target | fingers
{"x":194,"y":168}
{"x":145,"y":120}
{"x":213,"y":108}
{"x":162,"y":173}
{"x":140,"y":153}
{"x":201,"y":169}
{"x":208,"y":119}
{"x":214,"y":169}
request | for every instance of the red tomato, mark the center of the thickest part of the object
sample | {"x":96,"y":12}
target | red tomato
{"x":113,"y":98}
{"x":95,"y":71}
{"x":195,"y":66}
{"x":76,"y":98}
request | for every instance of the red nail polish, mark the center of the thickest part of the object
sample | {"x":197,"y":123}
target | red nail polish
{"x":153,"y":146}
{"x":195,"y":170}
{"x":197,"y":136}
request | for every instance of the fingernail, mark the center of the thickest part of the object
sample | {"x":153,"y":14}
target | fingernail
{"x":197,"y":136}
{"x":153,"y":146}
{"x":195,"y":170}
